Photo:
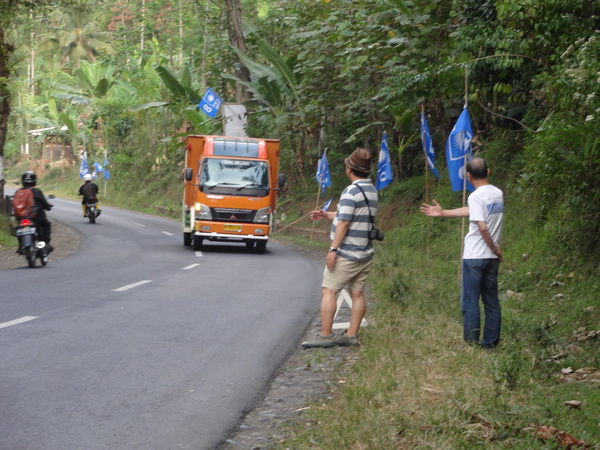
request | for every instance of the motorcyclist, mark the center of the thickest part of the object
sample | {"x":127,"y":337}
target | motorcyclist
{"x":88,"y":190}
{"x":42,"y":224}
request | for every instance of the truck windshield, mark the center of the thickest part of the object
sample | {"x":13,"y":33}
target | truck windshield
{"x":234,"y":176}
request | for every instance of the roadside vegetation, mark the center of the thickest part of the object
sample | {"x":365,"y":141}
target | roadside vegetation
{"x":123,"y":82}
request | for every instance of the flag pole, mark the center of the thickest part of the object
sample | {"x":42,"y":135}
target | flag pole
{"x":279,"y":230}
{"x":105,"y":169}
{"x":312,"y":233}
{"x":424,"y":145}
{"x":464,"y":192}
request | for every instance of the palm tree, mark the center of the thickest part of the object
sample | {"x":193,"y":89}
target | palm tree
{"x":74,"y":35}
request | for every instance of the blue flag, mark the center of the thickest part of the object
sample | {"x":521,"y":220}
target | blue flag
{"x":428,"y":146}
{"x":211,"y":103}
{"x":323,"y":175}
{"x":459,"y":145}
{"x":83,"y":168}
{"x":106,"y":172}
{"x":326,"y":205}
{"x":384,"y":168}
{"x":98,"y":167}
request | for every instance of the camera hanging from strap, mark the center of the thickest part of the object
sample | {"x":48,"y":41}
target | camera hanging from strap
{"x":375,"y":234}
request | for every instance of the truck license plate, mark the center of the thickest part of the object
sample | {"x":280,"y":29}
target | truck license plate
{"x":24,"y":231}
{"x":236,"y":228}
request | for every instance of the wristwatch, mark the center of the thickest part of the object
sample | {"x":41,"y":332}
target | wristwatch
{"x":331,"y":249}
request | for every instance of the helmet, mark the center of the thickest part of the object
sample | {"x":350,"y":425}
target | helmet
{"x":87,"y":177}
{"x":29,"y":178}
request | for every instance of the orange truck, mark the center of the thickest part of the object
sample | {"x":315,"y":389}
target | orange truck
{"x":230,"y":190}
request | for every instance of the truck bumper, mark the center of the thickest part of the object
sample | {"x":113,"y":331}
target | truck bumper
{"x":233,"y":231}
{"x":233,"y":237}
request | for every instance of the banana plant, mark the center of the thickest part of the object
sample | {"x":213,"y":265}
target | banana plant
{"x":274,"y":85}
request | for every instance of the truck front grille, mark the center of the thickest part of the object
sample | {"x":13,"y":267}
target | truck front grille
{"x":233,"y":215}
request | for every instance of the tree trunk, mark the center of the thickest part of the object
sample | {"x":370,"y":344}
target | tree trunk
{"x":6,"y":49}
{"x":236,"y":39}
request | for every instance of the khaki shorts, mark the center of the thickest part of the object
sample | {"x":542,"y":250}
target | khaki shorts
{"x":352,"y":274}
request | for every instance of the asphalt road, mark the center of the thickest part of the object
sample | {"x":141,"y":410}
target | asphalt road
{"x":137,"y":342}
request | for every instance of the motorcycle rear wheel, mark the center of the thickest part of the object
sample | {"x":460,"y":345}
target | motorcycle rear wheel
{"x":30,"y":255}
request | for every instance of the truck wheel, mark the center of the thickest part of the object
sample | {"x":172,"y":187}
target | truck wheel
{"x":261,"y":246}
{"x":187,"y":239}
{"x":198,"y":243}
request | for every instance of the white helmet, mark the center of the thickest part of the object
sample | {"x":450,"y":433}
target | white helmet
{"x":87,"y":177}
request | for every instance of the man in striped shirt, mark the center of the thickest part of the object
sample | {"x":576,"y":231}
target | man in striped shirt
{"x":350,"y":257}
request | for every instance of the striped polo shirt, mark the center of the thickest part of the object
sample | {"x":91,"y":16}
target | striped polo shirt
{"x":352,"y":207}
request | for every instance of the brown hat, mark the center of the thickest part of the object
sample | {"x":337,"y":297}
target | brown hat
{"x":360,"y":160}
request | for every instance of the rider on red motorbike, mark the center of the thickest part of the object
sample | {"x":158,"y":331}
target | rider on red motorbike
{"x":42,"y":224}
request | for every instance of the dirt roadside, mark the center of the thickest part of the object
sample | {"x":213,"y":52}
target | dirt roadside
{"x":65,"y":241}
{"x":306,"y":378}
{"x":301,"y":380}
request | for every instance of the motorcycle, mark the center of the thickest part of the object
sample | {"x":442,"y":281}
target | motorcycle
{"x":29,"y":244}
{"x":90,"y":208}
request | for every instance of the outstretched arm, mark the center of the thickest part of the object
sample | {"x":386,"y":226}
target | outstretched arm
{"x":436,"y":210}
{"x":319,"y":214}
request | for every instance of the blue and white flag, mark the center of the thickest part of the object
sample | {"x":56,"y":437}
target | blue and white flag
{"x":327,"y":204}
{"x":83,"y":168}
{"x":384,"y":168}
{"x":323,"y":176}
{"x":457,"y":146}
{"x":210,"y":103}
{"x":98,"y":167}
{"x":106,"y":172}
{"x":428,"y":146}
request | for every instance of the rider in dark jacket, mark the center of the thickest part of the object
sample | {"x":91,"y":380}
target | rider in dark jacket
{"x":29,"y":180}
{"x":89,"y":189}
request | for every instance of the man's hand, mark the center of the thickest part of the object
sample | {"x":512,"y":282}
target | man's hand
{"x":330,"y":260}
{"x":432,"y":210}
{"x":318,"y":214}
{"x":498,"y":253}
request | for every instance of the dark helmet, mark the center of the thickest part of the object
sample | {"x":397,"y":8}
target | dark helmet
{"x":29,"y":178}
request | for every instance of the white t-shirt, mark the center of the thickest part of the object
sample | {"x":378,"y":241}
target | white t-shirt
{"x":486,"y":204}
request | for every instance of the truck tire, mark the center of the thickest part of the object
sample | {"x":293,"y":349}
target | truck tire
{"x":187,"y":239}
{"x":261,"y":246}
{"x":198,"y":243}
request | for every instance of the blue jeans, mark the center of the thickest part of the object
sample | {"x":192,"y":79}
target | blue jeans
{"x":480,"y":279}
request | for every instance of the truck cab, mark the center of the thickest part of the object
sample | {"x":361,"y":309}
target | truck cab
{"x":230,"y":190}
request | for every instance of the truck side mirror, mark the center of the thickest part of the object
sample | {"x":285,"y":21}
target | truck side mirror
{"x":189,"y":174}
{"x":281,"y":181}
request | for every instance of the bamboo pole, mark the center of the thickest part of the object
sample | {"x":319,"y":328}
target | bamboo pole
{"x":423,"y":144}
{"x":464,"y":192}
{"x":298,"y":220}
{"x":318,"y":192}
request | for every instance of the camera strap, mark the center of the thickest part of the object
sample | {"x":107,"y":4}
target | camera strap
{"x":368,"y":206}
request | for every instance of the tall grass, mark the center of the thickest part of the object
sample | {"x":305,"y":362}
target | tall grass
{"x":416,"y":385}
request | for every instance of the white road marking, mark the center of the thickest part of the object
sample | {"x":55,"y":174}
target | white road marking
{"x":18,"y":321}
{"x":190,"y":266}
{"x":199,"y":254}
{"x":167,"y":233}
{"x":129,"y":286}
{"x":139,"y":224}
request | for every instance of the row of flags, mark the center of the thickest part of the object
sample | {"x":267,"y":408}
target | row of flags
{"x":97,"y":169}
{"x":458,"y":152}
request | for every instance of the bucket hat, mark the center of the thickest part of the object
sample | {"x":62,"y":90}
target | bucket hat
{"x":360,"y":160}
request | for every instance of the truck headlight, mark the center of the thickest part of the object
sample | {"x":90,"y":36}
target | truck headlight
{"x":263,"y":215}
{"x":202,"y":212}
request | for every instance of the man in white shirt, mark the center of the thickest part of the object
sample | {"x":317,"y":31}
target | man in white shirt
{"x":481,"y":255}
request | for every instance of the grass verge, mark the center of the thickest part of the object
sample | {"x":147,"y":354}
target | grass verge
{"x":416,"y":385}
